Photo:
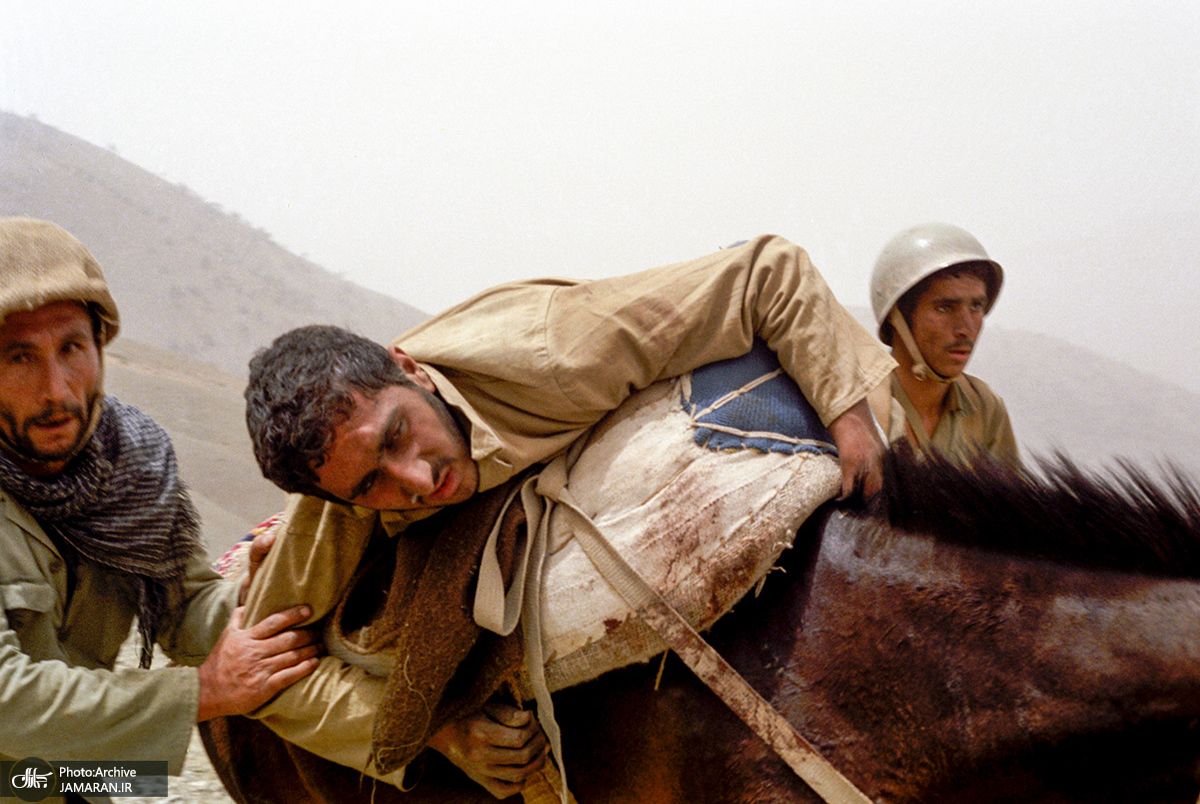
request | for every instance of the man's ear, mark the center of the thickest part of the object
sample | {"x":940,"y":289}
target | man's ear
{"x":410,"y":367}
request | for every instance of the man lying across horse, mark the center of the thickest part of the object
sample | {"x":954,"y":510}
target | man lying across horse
{"x":97,"y":531}
{"x":371,"y":440}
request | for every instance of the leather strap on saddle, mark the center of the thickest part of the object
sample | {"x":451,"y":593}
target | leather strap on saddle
{"x":800,"y":755}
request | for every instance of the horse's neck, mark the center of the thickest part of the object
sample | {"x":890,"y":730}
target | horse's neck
{"x":938,"y":654}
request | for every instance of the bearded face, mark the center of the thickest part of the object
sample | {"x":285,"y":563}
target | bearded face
{"x":49,"y":382}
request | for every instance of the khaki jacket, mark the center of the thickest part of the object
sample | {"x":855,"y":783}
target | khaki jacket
{"x":532,"y":366}
{"x":60,"y":699}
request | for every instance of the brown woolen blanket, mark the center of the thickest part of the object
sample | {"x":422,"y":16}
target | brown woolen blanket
{"x":411,"y":600}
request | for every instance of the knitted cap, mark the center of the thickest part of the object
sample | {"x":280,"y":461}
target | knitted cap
{"x":41,"y":263}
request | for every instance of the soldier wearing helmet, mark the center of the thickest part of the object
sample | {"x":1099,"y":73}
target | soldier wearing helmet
{"x":930,"y":290}
{"x":97,"y":532}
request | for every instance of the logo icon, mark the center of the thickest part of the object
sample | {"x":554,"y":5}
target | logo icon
{"x":32,"y":779}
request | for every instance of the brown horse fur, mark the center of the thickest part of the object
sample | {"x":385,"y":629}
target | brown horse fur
{"x":1123,"y":520}
{"x":1003,"y":659}
{"x":979,"y":636}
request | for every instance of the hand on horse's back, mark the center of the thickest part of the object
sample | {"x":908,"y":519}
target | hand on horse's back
{"x":860,"y":450}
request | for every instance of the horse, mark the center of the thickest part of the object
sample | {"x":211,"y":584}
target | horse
{"x":980,"y":635}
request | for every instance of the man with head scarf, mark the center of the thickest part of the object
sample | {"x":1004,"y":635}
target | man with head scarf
{"x":97,"y":530}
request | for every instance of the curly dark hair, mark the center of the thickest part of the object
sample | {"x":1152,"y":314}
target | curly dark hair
{"x":299,"y":391}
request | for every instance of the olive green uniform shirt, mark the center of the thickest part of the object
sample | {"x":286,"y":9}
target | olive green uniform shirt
{"x":60,"y":632}
{"x":973,"y":420}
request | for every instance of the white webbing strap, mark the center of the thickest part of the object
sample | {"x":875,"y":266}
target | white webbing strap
{"x":498,"y":610}
{"x":701,"y":657}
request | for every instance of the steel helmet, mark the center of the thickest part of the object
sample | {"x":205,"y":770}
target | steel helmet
{"x":918,"y":252}
{"x":41,"y":263}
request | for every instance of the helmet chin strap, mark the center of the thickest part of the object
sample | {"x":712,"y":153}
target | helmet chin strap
{"x":920,"y":369}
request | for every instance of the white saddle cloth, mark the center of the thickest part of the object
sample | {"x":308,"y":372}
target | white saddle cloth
{"x":700,"y":501}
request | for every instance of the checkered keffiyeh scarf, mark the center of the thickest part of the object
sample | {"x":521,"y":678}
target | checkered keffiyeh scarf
{"x":120,"y":503}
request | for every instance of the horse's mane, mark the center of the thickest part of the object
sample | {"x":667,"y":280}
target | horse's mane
{"x":1122,"y":519}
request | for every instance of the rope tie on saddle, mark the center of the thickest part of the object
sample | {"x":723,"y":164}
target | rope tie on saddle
{"x":499,"y":610}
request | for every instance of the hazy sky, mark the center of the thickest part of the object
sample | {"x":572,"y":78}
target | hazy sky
{"x":429,"y":150}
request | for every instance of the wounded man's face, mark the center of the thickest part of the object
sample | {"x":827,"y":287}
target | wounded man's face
{"x":399,"y":449}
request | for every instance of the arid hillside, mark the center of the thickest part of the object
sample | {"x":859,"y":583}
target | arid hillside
{"x":201,"y":407}
{"x":189,"y":278}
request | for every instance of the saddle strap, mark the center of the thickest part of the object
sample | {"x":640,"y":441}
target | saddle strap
{"x":800,"y":755}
